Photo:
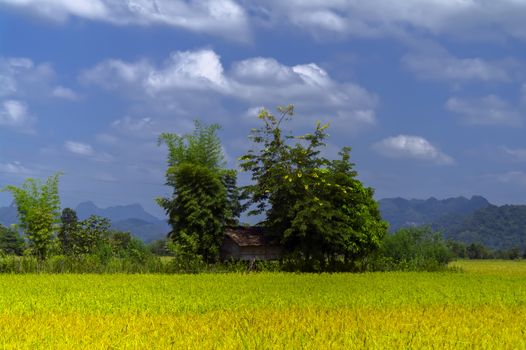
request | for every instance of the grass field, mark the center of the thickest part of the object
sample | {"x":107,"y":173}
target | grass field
{"x":483,"y":307}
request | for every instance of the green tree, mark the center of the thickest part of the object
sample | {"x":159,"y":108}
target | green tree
{"x":317,"y":207}
{"x":38,"y":206}
{"x":478,"y":251}
{"x":416,"y":248}
{"x":91,"y":235}
{"x":203,"y":199}
{"x":10,"y":241}
{"x":68,"y":230}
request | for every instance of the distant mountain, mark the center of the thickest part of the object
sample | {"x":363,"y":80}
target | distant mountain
{"x":460,"y":219}
{"x":132,"y":218}
{"x":400,"y":212}
{"x":495,"y":227}
{"x":115,"y":213}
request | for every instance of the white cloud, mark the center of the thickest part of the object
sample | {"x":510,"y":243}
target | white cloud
{"x":488,"y":110}
{"x":65,"y":93}
{"x":21,"y":82}
{"x":416,"y":147}
{"x":21,"y":77}
{"x":459,"y":18}
{"x":190,"y":70}
{"x":15,"y":114}
{"x":79,"y":148}
{"x":60,"y":10}
{"x":14,"y":168}
{"x":86,"y":150}
{"x":197,"y":76}
{"x":436,"y":63}
{"x":139,"y":127}
{"x":517,"y":154}
{"x":217,"y":17}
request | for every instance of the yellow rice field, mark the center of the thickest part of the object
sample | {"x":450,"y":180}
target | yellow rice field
{"x":481,"y":308}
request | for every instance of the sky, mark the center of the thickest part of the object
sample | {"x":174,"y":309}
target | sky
{"x":430,"y":94}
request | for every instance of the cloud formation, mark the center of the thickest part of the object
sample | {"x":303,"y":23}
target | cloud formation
{"x":21,"y":82}
{"x":233,"y":19}
{"x":79,"y":148}
{"x":516,"y":154}
{"x":86,"y":150}
{"x":376,"y":18}
{"x":487,"y":110}
{"x":216,"y":17}
{"x":15,"y":114}
{"x":254,"y":81}
{"x":414,"y":147}
{"x":14,"y":168}
{"x":435,"y":63}
{"x":64,"y":93}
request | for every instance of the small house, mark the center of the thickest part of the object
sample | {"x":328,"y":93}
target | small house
{"x":249,"y":243}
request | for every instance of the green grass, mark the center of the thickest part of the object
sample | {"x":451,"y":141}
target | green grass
{"x":477,"y":308}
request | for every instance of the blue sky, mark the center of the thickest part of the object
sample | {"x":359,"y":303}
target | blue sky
{"x":431,"y":94}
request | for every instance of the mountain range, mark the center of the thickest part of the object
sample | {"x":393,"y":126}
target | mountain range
{"x":473,"y":220}
{"x":467,"y":220}
{"x":132,"y":218}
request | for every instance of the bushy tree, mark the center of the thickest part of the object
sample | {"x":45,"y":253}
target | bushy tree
{"x":10,"y":241}
{"x":38,"y":206}
{"x":416,"y":248}
{"x":91,"y":234}
{"x":203,"y":199}
{"x":317,"y":207}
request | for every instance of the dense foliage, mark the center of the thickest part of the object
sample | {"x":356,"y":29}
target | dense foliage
{"x":414,"y":248}
{"x":10,"y":241}
{"x":38,"y":206}
{"x":204,"y":197}
{"x":316,"y":207}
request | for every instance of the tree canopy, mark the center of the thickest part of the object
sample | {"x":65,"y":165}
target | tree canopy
{"x":204,"y":195}
{"x":38,"y":207}
{"x":316,"y":207}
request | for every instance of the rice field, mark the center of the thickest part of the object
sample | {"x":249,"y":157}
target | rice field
{"x":483,"y":307}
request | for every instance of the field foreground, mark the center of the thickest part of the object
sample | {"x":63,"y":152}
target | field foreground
{"x":479,"y":308}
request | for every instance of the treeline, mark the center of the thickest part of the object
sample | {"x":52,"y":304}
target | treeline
{"x":323,"y":217}
{"x":479,"y":251}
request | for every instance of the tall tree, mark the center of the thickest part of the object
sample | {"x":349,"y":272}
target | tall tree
{"x":200,"y":205}
{"x":38,"y":206}
{"x":68,"y":230}
{"x":317,"y":207}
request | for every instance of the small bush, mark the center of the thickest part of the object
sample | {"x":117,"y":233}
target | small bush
{"x":411,"y":249}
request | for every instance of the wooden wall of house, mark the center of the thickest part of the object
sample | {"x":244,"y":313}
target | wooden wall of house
{"x":230,"y":249}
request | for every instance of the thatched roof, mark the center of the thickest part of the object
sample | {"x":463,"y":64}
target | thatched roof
{"x":249,"y":236}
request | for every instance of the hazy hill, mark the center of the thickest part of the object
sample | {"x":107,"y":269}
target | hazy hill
{"x":496,"y":227}
{"x":400,"y":212}
{"x":132,"y":218}
{"x":472,"y":220}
